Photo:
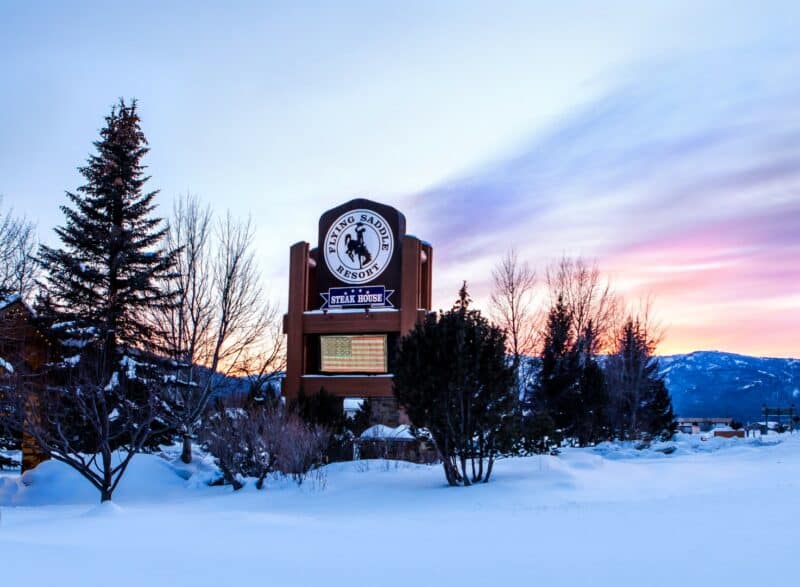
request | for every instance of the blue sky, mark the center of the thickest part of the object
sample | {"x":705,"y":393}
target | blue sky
{"x":625,"y":131}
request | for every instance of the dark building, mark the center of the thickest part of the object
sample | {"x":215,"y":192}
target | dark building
{"x":24,"y":350}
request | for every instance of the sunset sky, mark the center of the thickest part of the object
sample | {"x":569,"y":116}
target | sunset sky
{"x":662,"y":139}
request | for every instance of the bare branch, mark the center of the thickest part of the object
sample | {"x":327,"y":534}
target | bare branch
{"x":511,"y":303}
{"x":18,"y":243}
{"x":589,"y":298}
{"x":221,"y":324}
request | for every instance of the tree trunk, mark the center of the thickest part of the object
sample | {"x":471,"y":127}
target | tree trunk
{"x":489,"y":469}
{"x":450,"y":471}
{"x":186,"y":451}
{"x":465,"y":479}
{"x":105,"y":492}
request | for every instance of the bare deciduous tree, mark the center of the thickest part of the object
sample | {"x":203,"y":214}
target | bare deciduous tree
{"x":588,"y":297}
{"x":221,"y":323}
{"x":511,"y":303}
{"x":18,"y":243}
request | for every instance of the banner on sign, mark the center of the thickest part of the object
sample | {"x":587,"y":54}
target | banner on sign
{"x":370,"y":296}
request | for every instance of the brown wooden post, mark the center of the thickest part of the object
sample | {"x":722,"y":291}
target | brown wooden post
{"x":298,"y":299}
{"x":410,"y":295}
{"x":426,"y":286}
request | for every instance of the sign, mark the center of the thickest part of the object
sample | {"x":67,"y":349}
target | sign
{"x":365,"y":353}
{"x":370,"y":296}
{"x":358,"y":246}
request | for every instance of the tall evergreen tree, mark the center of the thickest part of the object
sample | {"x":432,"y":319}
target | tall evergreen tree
{"x":105,"y":275}
{"x":640,"y":402}
{"x":571,"y":387}
{"x":556,"y":389}
{"x":658,"y":417}
{"x":590,"y":420}
{"x":99,"y":407}
{"x":454,"y":379}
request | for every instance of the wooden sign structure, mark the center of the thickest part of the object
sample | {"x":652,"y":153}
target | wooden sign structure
{"x":351,"y":298}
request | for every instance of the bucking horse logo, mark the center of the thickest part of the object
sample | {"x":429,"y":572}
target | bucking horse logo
{"x":356,"y":247}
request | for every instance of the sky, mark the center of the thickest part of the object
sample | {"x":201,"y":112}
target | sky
{"x":661,"y":139}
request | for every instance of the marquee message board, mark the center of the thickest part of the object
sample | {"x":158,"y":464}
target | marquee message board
{"x":365,"y":353}
{"x":359,"y":256}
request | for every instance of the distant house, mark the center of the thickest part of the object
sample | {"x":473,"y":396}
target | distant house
{"x":701,"y":425}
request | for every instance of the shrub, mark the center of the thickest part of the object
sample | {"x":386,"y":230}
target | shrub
{"x":454,"y":379}
{"x":257,"y":440}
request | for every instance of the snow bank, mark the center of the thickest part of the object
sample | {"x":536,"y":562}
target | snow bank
{"x":382,"y":432}
{"x":597,"y":516}
{"x":683,"y":444}
{"x":149,"y":477}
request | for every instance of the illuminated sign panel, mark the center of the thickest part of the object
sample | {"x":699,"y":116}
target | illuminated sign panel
{"x":358,"y":353}
{"x":358,"y":255}
{"x":373,"y":296}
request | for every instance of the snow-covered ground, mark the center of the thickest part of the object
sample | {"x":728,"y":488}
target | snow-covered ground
{"x":716,"y":512}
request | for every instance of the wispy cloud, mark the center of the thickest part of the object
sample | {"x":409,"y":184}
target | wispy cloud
{"x":684,"y":182}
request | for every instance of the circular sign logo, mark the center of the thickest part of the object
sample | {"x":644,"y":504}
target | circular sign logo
{"x":358,"y":246}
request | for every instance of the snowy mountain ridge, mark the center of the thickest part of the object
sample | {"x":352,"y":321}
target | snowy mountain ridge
{"x":716,"y":383}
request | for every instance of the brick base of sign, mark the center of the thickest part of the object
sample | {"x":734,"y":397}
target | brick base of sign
{"x":385,"y":411}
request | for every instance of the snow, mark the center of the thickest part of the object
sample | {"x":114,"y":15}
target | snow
{"x":380,"y":431}
{"x":130,"y":365}
{"x":8,"y":300}
{"x":609,"y":515}
{"x":113,"y":383}
{"x":5,"y":365}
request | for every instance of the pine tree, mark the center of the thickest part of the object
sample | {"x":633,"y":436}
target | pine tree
{"x":453,"y":378}
{"x":658,"y":416}
{"x":557,"y":391}
{"x":590,"y":418}
{"x":102,"y":399}
{"x":640,"y":402}
{"x":571,"y":387}
{"x":105,"y":275}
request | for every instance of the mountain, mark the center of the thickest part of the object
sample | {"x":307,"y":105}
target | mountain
{"x":712,"y":383}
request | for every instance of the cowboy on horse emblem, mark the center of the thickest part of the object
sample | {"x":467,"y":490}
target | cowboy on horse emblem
{"x":356,"y":247}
